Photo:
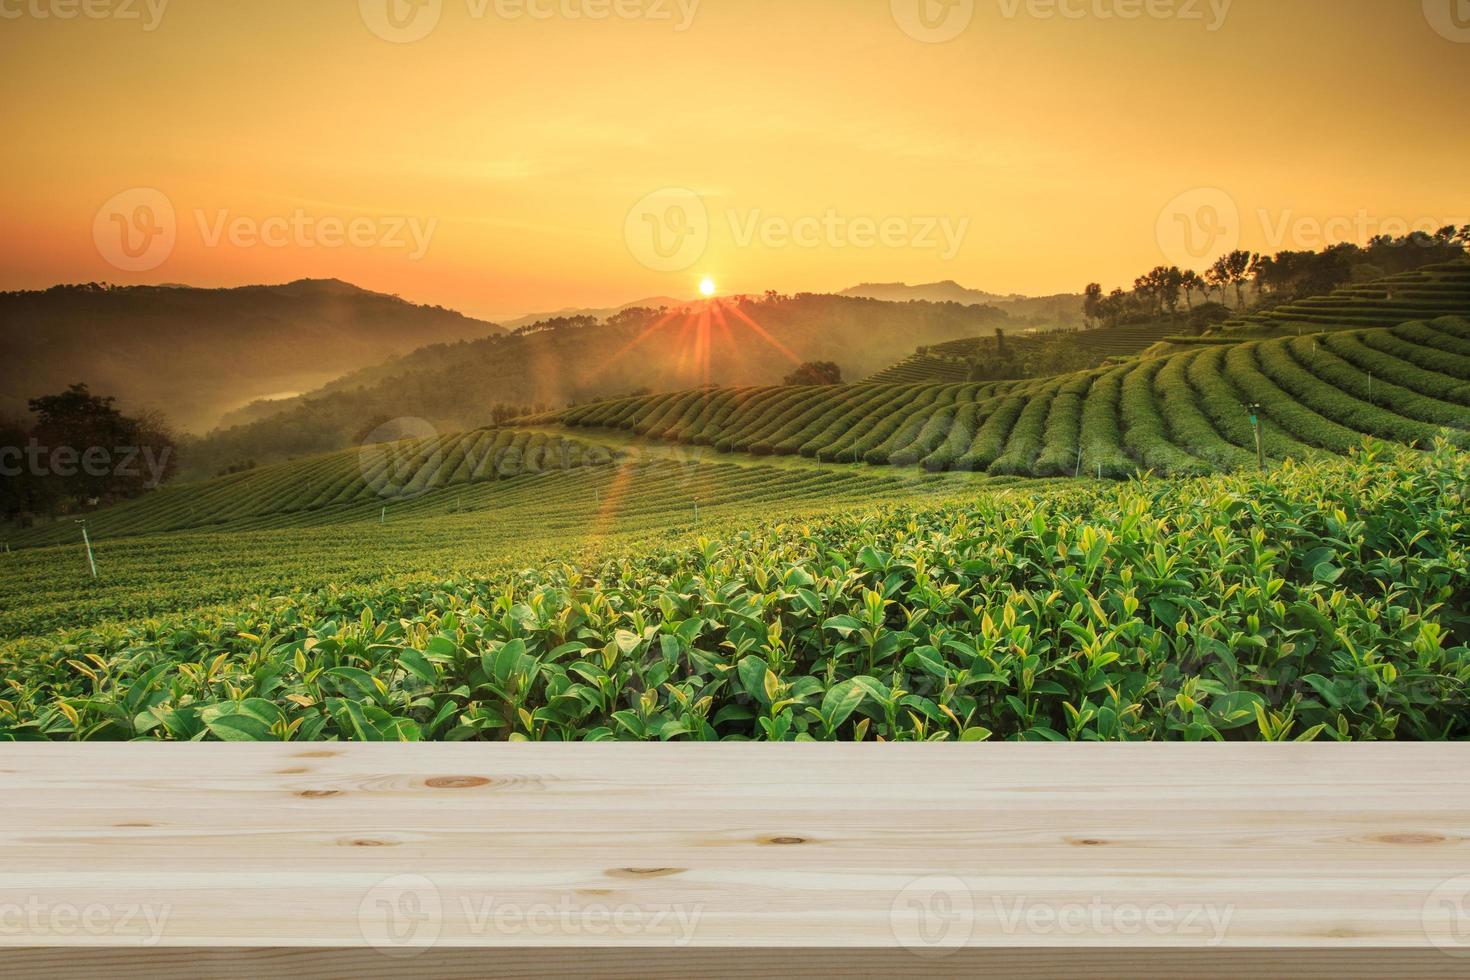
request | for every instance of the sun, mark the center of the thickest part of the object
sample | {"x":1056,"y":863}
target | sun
{"x":707,"y":286}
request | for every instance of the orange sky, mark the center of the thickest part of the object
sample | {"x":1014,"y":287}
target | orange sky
{"x":822,"y":143}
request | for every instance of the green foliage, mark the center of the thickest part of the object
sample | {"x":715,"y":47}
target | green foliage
{"x":1313,"y":602}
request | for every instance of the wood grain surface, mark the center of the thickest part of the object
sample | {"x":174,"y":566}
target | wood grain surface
{"x":906,"y":859}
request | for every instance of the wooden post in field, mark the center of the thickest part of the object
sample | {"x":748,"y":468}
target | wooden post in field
{"x":86,"y":540}
{"x":1256,"y":425}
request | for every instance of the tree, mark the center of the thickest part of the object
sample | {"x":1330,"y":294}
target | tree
{"x":1234,"y":269}
{"x":1092,"y":301}
{"x":82,"y":450}
{"x":1159,"y":289}
{"x":1191,"y":281}
{"x":815,"y":373}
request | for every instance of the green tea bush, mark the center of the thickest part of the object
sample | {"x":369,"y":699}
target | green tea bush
{"x":1336,"y":403}
{"x":1377,"y":389}
{"x":1024,"y":443}
{"x":1101,"y":441}
{"x":1144,"y":432}
{"x":991,"y":439}
{"x":1188,"y":426}
{"x":1322,"y":602}
{"x":1059,"y":453}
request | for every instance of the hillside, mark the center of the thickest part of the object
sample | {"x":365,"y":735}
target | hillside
{"x":197,"y":354}
{"x":1423,"y":294}
{"x":349,"y":485}
{"x":595,"y":312}
{"x":471,"y":384}
{"x":952,"y":361}
{"x":1061,"y":310}
{"x":1184,"y":414}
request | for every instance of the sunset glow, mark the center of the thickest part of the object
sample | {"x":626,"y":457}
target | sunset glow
{"x":518,"y":146}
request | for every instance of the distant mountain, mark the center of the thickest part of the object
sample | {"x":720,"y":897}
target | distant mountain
{"x":197,"y":354}
{"x":947,"y":291}
{"x":1062,"y":310}
{"x":454,"y":387}
{"x":598,"y":313}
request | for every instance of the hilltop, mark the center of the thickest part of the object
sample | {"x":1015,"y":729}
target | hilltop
{"x":196,"y":354}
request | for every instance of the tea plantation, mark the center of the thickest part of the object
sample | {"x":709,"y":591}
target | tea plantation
{"x":874,"y":561}
{"x":1322,"y":601}
{"x":344,"y":486}
{"x":1185,"y":414}
{"x":1423,"y":294}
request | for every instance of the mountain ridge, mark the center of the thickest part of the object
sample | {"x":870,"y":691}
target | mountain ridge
{"x":195,"y":354}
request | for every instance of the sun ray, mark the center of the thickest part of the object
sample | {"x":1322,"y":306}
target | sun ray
{"x":765,"y":335}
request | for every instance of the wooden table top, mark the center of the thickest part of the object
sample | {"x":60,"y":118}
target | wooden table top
{"x":921,"y":858}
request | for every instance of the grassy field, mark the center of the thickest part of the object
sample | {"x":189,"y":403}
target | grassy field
{"x":1185,"y":414}
{"x":1323,"y":601}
